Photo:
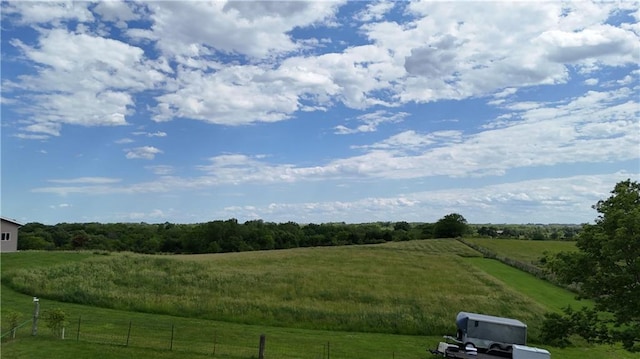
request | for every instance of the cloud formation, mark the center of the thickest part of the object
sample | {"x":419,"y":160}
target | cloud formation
{"x":355,"y":99}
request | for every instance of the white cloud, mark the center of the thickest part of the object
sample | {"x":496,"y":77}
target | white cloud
{"x":61,"y":205}
{"x":448,"y":51}
{"x":539,"y":201}
{"x":459,"y":50}
{"x":81,"y":80}
{"x":602,"y":43}
{"x":154,"y":214}
{"x":38,"y":12}
{"x":44,"y":128}
{"x":375,"y":11}
{"x":150,"y":134}
{"x":157,"y":134}
{"x":244,"y":94}
{"x":234,"y":95}
{"x":371,"y":121}
{"x":505,"y":93}
{"x":161,"y":170}
{"x":591,"y":81}
{"x":87,"y":180}
{"x":595,"y":127}
{"x":116,"y":11}
{"x":411,"y":141}
{"x":145,"y":153}
{"x":31,"y":137}
{"x":257,"y":29}
{"x":124,"y":141}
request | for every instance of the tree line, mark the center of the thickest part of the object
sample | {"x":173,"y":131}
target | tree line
{"x":232,"y":236}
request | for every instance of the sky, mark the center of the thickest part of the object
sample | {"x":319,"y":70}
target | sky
{"x":317,"y":111}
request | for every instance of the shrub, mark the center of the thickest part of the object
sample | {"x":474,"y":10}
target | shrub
{"x":12,"y":319}
{"x":55,"y":320}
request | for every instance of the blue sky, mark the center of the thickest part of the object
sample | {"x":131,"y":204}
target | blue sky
{"x":191,"y":111}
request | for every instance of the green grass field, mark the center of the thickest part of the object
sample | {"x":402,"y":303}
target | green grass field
{"x":523,"y":250}
{"x":393,"y":300}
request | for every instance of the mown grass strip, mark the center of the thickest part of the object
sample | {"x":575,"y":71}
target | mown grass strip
{"x":553,"y":298}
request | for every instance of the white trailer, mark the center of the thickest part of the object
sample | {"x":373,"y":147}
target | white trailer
{"x":481,"y":336}
{"x":448,"y":350}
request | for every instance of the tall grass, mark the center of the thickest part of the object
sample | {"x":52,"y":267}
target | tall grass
{"x":411,"y":288}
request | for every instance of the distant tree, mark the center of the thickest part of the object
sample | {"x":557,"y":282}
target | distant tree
{"x":488,"y":231}
{"x":402,"y":226}
{"x":426,"y":230}
{"x":607,"y":266}
{"x":450,"y":226}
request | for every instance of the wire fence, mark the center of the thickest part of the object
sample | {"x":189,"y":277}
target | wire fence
{"x":202,"y":340}
{"x":12,"y":333}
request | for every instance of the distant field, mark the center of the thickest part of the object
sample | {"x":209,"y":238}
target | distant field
{"x":524,"y":250}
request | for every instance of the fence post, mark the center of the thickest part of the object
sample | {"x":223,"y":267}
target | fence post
{"x":78,"y":333}
{"x":215,"y":341}
{"x":263,"y":340}
{"x":171,"y":344}
{"x":128,"y":334}
{"x":36,"y":313}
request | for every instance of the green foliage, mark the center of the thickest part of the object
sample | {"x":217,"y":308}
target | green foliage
{"x":12,"y":318}
{"x":607,"y":265}
{"x":55,"y":319}
{"x":450,"y":226}
{"x":12,"y":321}
{"x":554,"y":232}
{"x":230,"y":236}
{"x":558,"y":328}
{"x":211,"y":237}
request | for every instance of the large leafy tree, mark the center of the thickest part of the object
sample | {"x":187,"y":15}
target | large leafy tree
{"x":607,"y":266}
{"x":450,"y":226}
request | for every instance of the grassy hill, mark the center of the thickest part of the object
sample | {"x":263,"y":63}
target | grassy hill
{"x":375,"y":301}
